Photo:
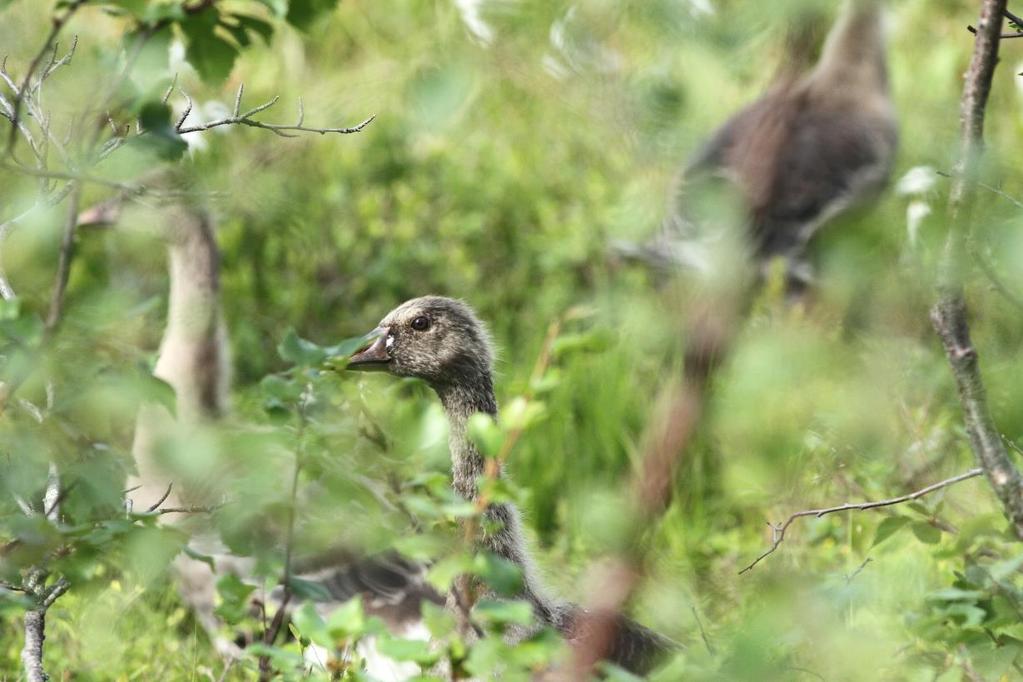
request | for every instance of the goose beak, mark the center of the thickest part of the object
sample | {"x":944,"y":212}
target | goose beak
{"x":374,"y":357}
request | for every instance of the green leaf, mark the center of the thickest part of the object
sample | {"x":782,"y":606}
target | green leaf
{"x":491,"y":611}
{"x":520,"y":413}
{"x":414,"y":650}
{"x":347,"y":621}
{"x":155,"y":390}
{"x":198,"y":556}
{"x":438,"y":620}
{"x":612,"y":673}
{"x":10,"y":309}
{"x":303,"y":13}
{"x":593,"y":341}
{"x":443,"y":573}
{"x":264,"y":29}
{"x":308,"y":589}
{"x":956,"y":594}
{"x":299,"y":351}
{"x":234,"y":595}
{"x":485,"y":433}
{"x":887,"y":528}
{"x":1005,"y":569}
{"x":309,"y":623}
{"x":212,"y":56}
{"x":504,"y":577}
{"x":281,"y":388}
{"x":278,"y":7}
{"x":926,"y":533}
{"x":160,"y":136}
{"x":241,"y":27}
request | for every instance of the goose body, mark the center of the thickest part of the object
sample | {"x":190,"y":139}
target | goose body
{"x":812,"y":147}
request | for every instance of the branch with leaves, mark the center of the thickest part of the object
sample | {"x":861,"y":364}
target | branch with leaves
{"x":778,"y":531}
{"x":61,"y":163}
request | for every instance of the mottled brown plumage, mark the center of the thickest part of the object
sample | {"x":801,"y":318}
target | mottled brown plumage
{"x":441,"y":341}
{"x":812,"y":147}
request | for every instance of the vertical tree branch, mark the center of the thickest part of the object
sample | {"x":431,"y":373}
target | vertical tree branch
{"x":67,"y":246}
{"x":949,"y":314}
{"x":270,"y":633}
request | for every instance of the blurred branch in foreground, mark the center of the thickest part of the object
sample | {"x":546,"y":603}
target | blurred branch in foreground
{"x":949,"y":315}
{"x":598,"y":630}
{"x":779,"y":530}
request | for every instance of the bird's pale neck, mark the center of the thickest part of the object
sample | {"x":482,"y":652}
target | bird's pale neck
{"x":462,"y":400}
{"x":193,"y":305}
{"x":193,"y":353}
{"x":853,"y":58}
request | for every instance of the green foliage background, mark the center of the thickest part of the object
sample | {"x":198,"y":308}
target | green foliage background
{"x":499,"y":170}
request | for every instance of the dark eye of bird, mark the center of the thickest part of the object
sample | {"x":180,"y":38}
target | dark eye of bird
{"x":421,"y":323}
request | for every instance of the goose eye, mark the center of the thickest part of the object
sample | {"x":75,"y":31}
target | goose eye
{"x":421,"y":323}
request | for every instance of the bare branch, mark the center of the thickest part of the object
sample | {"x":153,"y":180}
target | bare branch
{"x":189,"y":510}
{"x":238,"y":117}
{"x":185,"y":113}
{"x":163,"y":498}
{"x":949,"y":315}
{"x":67,"y":245}
{"x":80,"y":178}
{"x":779,"y":530}
{"x":238,"y":99}
{"x":56,"y":25}
{"x":170,"y":90}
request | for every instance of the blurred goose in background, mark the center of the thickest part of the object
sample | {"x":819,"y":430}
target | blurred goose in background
{"x":815,"y":145}
{"x":441,"y":341}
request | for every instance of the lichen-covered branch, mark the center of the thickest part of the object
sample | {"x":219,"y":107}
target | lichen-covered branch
{"x":35,"y":623}
{"x":949,"y":314}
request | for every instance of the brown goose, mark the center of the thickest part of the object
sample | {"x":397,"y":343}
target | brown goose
{"x":812,"y":147}
{"x":441,"y":341}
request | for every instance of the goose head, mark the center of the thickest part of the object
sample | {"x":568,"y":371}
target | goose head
{"x":434,"y":338}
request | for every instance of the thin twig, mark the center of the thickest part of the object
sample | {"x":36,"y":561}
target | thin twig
{"x":779,"y":530}
{"x":270,"y":633}
{"x":1005,"y":195}
{"x":859,"y":569}
{"x":995,"y":279}
{"x":703,"y":633}
{"x":238,"y":117}
{"x":67,"y":245}
{"x":198,"y":509}
{"x":82,"y":178}
{"x":156,"y":505}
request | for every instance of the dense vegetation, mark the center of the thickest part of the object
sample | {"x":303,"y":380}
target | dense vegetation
{"x":513,"y":142}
